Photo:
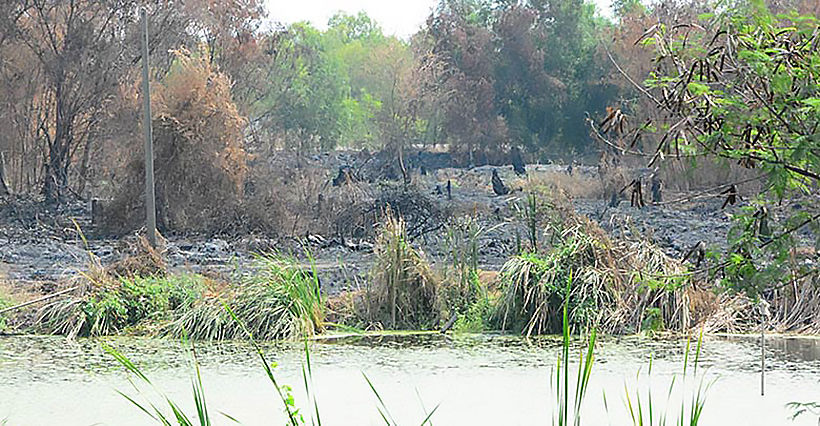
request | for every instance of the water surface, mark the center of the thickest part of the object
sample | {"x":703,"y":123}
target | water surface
{"x":474,"y":379}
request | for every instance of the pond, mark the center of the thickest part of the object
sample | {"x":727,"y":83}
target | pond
{"x":474,"y":379}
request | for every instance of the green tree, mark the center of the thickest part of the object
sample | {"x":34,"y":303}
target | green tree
{"x":519,"y":73}
{"x":743,"y":87}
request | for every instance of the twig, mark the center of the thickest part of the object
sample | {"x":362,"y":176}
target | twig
{"x":637,"y":86}
{"x":44,"y":298}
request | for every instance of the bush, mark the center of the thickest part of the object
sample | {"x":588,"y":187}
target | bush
{"x":616,"y":284}
{"x":112,"y":306}
{"x":534,"y":286}
{"x":199,"y":164}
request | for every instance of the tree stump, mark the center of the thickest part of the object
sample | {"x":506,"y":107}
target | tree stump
{"x":657,"y":188}
{"x":637,"y":194}
{"x":517,"y":161}
{"x":4,"y":187}
{"x":498,"y":185}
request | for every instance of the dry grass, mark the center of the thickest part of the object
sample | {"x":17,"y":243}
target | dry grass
{"x":616,"y":285}
{"x":140,"y":260}
{"x":278,"y":299}
{"x":577,"y":185}
{"x":403,"y":292}
{"x":791,"y":308}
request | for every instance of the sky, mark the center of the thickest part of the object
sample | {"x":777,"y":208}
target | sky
{"x":397,"y":17}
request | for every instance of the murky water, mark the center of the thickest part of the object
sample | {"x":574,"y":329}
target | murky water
{"x":487,"y":379}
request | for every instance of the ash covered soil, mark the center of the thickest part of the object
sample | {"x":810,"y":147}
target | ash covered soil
{"x":40,"y":246}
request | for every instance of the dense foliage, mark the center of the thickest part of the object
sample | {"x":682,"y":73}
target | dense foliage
{"x":480,"y":75}
{"x":517,"y":73}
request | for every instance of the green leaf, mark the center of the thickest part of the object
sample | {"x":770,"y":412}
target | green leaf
{"x":812,"y":102}
{"x":697,"y":89}
{"x":782,"y":83}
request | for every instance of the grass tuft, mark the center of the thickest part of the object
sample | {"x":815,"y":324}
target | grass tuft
{"x":404,"y":290}
{"x":278,"y":299}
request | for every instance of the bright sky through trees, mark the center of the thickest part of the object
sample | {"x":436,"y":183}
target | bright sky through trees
{"x":397,"y":17}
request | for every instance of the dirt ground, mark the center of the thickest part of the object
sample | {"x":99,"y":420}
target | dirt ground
{"x":39,"y":246}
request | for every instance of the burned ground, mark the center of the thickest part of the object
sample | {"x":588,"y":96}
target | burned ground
{"x":40,"y":245}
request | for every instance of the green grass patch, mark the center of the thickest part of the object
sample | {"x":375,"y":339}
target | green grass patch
{"x":118,"y":305}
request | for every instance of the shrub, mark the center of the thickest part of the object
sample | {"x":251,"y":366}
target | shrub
{"x":534,"y":286}
{"x":107,"y":307}
{"x":199,"y":161}
{"x":616,"y":283}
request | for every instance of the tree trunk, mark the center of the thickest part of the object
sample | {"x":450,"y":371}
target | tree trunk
{"x":56,"y":176}
{"x":4,"y":187}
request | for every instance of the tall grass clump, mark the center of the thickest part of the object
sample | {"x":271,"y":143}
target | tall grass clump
{"x":561,"y":374}
{"x":621,"y":285}
{"x":463,"y":294}
{"x":404,"y":290}
{"x":173,"y":414}
{"x":534,"y":284}
{"x":279,"y":298}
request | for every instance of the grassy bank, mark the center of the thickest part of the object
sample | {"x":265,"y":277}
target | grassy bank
{"x":277,"y":298}
{"x":619,"y":286}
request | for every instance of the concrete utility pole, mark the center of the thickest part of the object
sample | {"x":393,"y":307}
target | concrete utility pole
{"x":150,"y":196}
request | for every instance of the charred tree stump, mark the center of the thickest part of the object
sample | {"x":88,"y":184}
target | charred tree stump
{"x":657,"y":188}
{"x":319,"y":201}
{"x":731,"y":196}
{"x":498,"y":185}
{"x":636,"y":198}
{"x":97,"y":213}
{"x":614,"y":200}
{"x":449,"y":190}
{"x":517,"y":161}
